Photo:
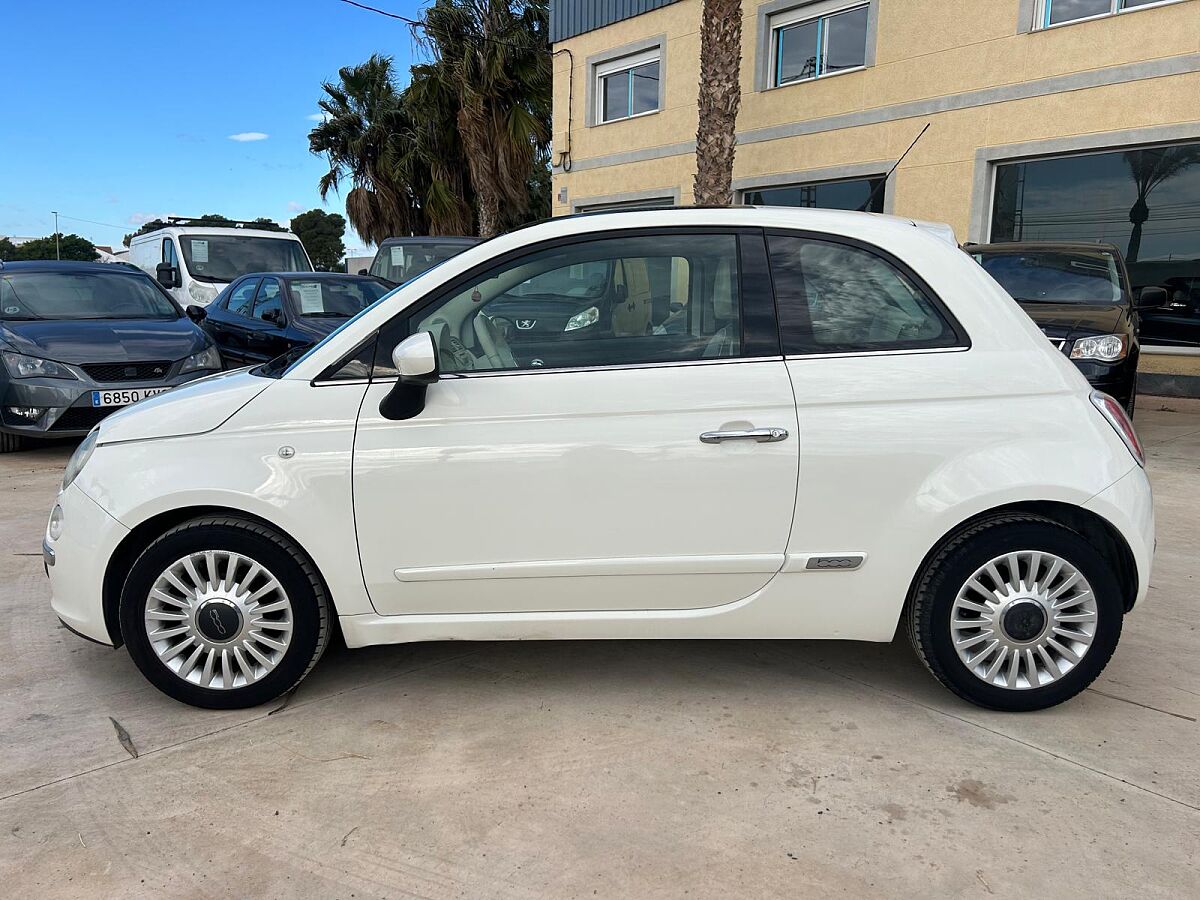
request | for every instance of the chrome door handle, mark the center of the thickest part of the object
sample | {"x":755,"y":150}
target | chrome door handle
{"x":759,"y":435}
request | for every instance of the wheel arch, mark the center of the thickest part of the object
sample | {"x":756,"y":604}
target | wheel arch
{"x":140,"y":537}
{"x":1094,"y":528}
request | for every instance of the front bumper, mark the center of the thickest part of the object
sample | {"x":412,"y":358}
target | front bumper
{"x":76,"y":564}
{"x":1128,"y":505}
{"x":66,"y":405}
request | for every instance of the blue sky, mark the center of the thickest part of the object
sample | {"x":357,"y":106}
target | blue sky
{"x":120,"y":112}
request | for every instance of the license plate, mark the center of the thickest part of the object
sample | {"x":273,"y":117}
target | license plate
{"x":124,"y":398}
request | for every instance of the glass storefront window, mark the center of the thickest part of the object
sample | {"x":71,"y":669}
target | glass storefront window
{"x":1144,"y":200}
{"x":852,"y":194}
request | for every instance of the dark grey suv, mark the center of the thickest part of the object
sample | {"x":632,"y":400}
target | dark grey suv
{"x":80,"y":340}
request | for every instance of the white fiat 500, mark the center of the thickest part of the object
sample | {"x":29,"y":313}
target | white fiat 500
{"x":694,"y":423}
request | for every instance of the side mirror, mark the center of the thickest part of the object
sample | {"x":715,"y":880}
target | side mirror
{"x":416,"y":359}
{"x":167,"y":275}
{"x":1152,"y":297}
{"x":196,"y":313}
{"x":363,"y":272}
{"x":274,"y":316}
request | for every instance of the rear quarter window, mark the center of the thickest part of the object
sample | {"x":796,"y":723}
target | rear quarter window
{"x":837,"y":297}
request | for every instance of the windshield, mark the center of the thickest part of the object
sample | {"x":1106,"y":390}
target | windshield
{"x":401,"y":261}
{"x":225,"y":257}
{"x":82,"y":295}
{"x":1056,"y":276}
{"x":327,"y":298}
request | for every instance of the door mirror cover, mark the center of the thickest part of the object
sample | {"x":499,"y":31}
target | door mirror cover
{"x":416,"y":359}
{"x":167,"y":275}
{"x":1152,"y":297}
{"x":274,"y":316}
{"x":196,"y":313}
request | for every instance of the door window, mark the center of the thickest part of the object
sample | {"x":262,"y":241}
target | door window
{"x":838,"y":298}
{"x":268,"y":302}
{"x":241,"y":298}
{"x":608,"y":302}
{"x":168,"y":252}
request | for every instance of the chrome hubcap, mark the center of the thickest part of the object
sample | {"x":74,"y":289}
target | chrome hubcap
{"x":1023,"y":620}
{"x":218,"y":619}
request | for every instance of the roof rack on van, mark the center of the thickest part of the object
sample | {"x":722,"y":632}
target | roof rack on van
{"x":201,"y":221}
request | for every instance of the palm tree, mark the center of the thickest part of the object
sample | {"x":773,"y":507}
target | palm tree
{"x":719,"y":99}
{"x":1150,"y":168}
{"x":435,"y":155}
{"x":494,"y":55}
{"x":363,"y":136}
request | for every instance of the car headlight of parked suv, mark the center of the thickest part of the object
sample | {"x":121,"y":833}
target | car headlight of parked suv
{"x":208,"y":358}
{"x":1102,"y":347}
{"x":80,"y":457}
{"x":21,"y":366}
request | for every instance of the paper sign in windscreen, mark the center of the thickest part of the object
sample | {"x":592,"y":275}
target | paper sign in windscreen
{"x":311,"y":300}
{"x":397,"y":256}
{"x":199,"y":251}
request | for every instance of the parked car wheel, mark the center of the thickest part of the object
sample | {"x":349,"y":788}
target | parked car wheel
{"x":1016,"y":613}
{"x":224,"y":613}
{"x":10,"y":442}
{"x":1132,"y":399}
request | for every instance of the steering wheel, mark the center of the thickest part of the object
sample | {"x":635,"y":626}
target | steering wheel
{"x":493,"y":344}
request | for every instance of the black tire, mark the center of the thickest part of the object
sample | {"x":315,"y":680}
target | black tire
{"x":1129,"y":406}
{"x":311,"y":609}
{"x":10,"y":443}
{"x":929,"y":610}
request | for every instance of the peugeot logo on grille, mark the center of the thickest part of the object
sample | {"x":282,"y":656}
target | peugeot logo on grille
{"x":526,"y":324}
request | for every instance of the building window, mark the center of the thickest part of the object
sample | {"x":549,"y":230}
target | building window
{"x":807,"y":43}
{"x":1144,"y":200}
{"x":628,"y":87}
{"x":1059,"y":12}
{"x":863,"y":194}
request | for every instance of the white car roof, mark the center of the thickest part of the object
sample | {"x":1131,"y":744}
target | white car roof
{"x":178,"y":230}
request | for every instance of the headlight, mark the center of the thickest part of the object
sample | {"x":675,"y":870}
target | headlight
{"x":589,"y":316}
{"x":21,"y":366}
{"x":80,"y":457}
{"x":208,"y":358}
{"x":1105,"y":348}
{"x":202,"y":294}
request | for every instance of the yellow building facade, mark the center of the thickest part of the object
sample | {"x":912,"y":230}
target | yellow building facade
{"x":1033,"y":107}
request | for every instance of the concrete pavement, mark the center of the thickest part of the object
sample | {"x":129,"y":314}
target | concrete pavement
{"x":618,"y":769}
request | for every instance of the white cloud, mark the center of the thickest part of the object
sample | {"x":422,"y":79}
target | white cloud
{"x":141,"y":218}
{"x":293,"y":206}
{"x":318,"y":117}
{"x":243,"y":136}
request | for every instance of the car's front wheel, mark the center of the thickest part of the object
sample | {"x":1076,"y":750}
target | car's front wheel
{"x":1017,"y":612}
{"x":224,"y":613}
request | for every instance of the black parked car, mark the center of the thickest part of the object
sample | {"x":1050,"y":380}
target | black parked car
{"x":264,"y":315}
{"x":1080,"y":296}
{"x":79,"y":340}
{"x":401,"y":259}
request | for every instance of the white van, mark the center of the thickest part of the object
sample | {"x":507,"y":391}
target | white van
{"x":196,"y":262}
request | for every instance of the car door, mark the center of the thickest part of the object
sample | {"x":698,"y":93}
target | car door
{"x":171,"y":258}
{"x":652,"y":466}
{"x":229,"y":320}
{"x":266,"y":337}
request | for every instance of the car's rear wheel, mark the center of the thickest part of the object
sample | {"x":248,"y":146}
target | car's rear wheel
{"x":1016,"y":612}
{"x":224,"y":613}
{"x":10,"y":442}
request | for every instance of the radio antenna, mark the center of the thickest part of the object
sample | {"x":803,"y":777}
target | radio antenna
{"x":879,"y":187}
